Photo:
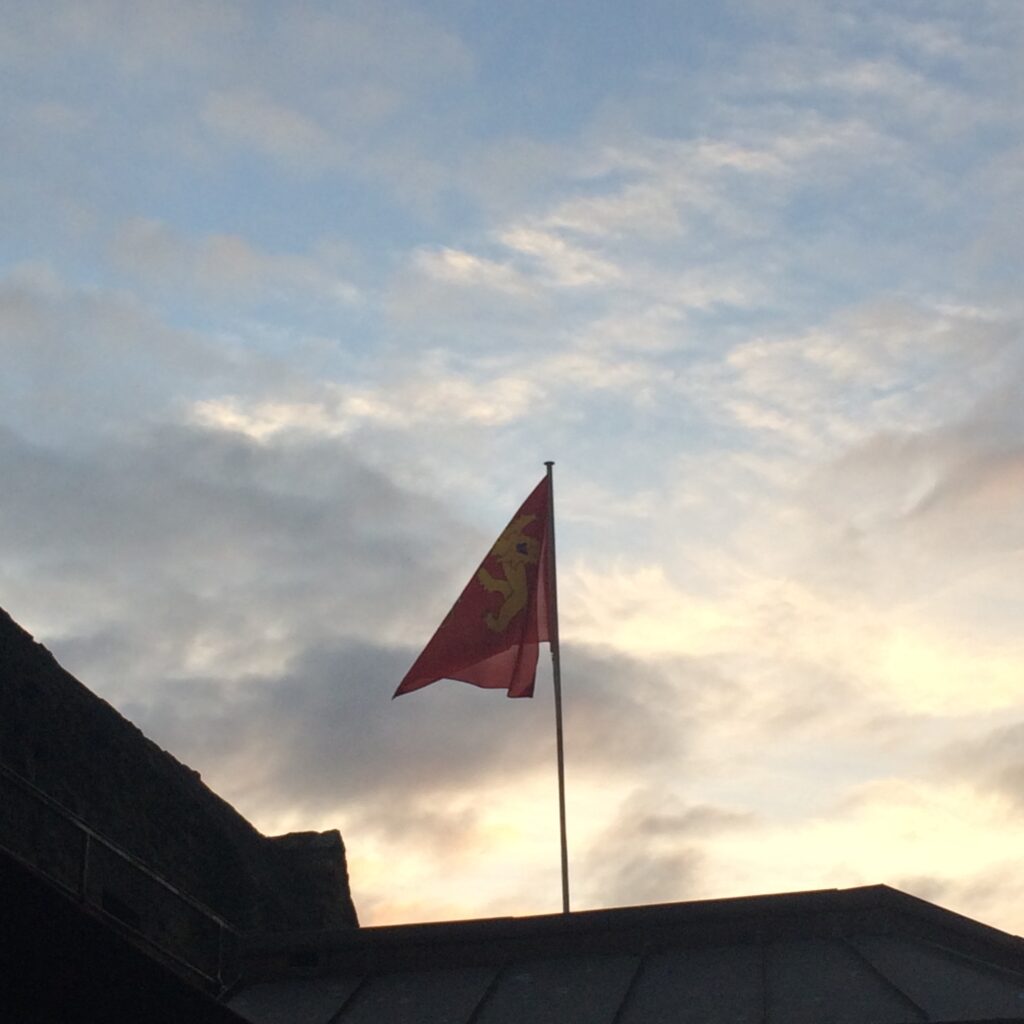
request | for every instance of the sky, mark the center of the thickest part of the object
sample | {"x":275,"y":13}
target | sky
{"x":296,"y":300}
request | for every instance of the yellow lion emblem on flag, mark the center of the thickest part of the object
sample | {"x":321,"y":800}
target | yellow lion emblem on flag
{"x":514,"y":552}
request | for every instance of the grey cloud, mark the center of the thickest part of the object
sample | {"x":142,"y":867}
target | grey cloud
{"x":325,"y":735}
{"x":250,"y":120}
{"x":992,"y":762}
{"x":928,"y":887}
{"x":253,"y":607}
{"x":978,"y":474}
{"x":992,"y":479}
{"x":656,"y":813}
{"x":78,"y":359}
{"x":701,"y":820}
{"x":193,"y":83}
{"x":908,"y":511}
{"x":621,"y":710}
{"x":201,"y":539}
{"x":228,"y":268}
{"x":652,"y":850}
{"x":311,"y":88}
{"x":649,"y":877}
{"x":985,"y":895}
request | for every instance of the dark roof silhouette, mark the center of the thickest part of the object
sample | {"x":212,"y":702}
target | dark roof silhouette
{"x":65,"y":741}
{"x":870,"y":954}
{"x":130,"y":891}
{"x":61,"y":963}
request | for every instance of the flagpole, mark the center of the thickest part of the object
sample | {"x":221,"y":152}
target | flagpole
{"x":556,"y":670}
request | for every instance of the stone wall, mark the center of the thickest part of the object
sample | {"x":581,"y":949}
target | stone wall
{"x":83,"y":754}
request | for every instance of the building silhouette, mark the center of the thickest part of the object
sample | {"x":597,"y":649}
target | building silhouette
{"x":130,"y":891}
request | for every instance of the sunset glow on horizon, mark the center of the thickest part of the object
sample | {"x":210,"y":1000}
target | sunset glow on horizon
{"x":296,"y":300}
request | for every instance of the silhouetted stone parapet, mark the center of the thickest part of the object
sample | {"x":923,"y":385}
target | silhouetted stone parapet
{"x":84,"y":755}
{"x":319,"y":859}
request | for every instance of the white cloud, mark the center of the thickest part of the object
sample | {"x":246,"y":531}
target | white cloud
{"x":642,"y":208}
{"x":889,"y":365}
{"x":340,"y":410}
{"x":762,"y":311}
{"x":464,"y":270}
{"x":561,"y":263}
{"x":262,"y":420}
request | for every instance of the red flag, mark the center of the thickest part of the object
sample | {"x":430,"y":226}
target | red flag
{"x":491,"y":636}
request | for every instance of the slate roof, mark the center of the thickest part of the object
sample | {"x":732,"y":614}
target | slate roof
{"x":870,"y":954}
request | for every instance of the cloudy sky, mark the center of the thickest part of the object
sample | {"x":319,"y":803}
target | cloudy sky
{"x":295,"y":300}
